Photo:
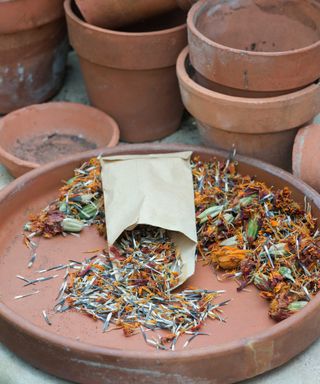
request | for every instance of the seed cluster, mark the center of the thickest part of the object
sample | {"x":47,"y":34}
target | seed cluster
{"x":253,"y":233}
{"x":259,"y":234}
{"x":131,"y":287}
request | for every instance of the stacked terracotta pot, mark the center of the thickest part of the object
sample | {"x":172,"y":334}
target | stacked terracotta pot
{"x":33,"y":51}
{"x":128,"y":64}
{"x":250,"y":77}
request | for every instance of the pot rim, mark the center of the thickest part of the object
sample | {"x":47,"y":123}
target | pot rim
{"x":113,"y":127}
{"x":208,"y":93}
{"x":62,"y":342}
{"x":94,"y":28}
{"x":191,"y":22}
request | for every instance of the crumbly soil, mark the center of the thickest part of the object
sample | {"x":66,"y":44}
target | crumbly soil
{"x":45,"y":148}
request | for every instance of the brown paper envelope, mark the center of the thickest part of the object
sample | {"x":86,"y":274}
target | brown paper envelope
{"x":154,"y":190}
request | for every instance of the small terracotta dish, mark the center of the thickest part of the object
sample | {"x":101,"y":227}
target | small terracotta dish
{"x":38,"y":134}
{"x":73,"y":346}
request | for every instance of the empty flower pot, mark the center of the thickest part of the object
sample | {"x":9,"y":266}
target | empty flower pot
{"x":38,"y":134}
{"x":260,"y":45}
{"x":306,"y":155}
{"x":33,"y":51}
{"x":117,"y":13}
{"x":131,"y":74}
{"x":260,"y":127}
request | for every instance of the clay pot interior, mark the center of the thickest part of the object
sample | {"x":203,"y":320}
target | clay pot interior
{"x":249,"y":45}
{"x":261,"y":26}
{"x":75,"y":348}
{"x":166,"y":20}
{"x":115,"y":13}
{"x":38,"y":134}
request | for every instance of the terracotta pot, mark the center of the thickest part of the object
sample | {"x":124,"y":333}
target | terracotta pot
{"x":249,"y":44}
{"x":37,"y":134}
{"x":75,"y":348}
{"x":241,"y":120}
{"x":306,"y":155}
{"x":33,"y":52}
{"x":131,"y":75}
{"x":117,"y":13}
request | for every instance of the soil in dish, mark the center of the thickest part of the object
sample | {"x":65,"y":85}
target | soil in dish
{"x":45,"y":148}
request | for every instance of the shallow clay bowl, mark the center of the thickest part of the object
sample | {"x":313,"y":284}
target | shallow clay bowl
{"x":32,"y":136}
{"x":75,"y":348}
{"x":261,"y":45}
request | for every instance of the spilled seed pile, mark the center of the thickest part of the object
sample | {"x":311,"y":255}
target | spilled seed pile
{"x":254,"y":233}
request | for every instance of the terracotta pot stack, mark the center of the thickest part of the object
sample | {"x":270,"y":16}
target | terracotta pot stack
{"x":129,"y":72}
{"x":251,"y":75}
{"x":33,"y":51}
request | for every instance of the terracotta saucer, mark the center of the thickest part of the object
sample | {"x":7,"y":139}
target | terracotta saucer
{"x":75,"y":348}
{"x":41,"y":133}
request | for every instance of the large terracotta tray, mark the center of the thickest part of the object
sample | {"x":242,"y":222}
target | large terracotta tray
{"x":75,"y":348}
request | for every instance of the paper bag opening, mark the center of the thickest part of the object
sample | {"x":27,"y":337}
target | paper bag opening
{"x":155,"y":190}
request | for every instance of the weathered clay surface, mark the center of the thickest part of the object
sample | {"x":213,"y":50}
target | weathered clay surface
{"x":33,"y":52}
{"x":74,"y":346}
{"x":131,"y":75}
{"x":59,"y":118}
{"x":238,"y":116}
{"x":249,"y":45}
{"x":306,"y":155}
{"x":35,"y":13}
